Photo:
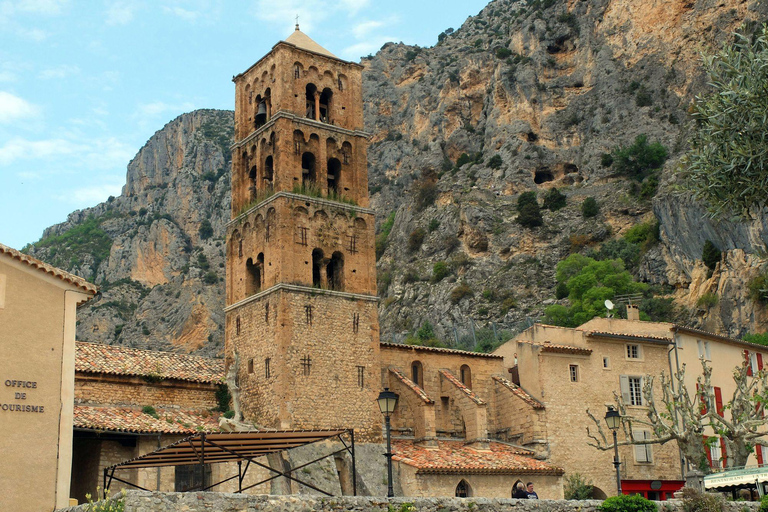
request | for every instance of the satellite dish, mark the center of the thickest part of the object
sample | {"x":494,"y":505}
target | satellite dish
{"x":609,"y":304}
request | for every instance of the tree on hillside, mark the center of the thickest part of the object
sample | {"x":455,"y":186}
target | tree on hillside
{"x":589,"y":283}
{"x":682,"y":417}
{"x":727,"y":164}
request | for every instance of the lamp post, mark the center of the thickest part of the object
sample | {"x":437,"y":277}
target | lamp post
{"x":613,"y":419}
{"x":387,"y":403}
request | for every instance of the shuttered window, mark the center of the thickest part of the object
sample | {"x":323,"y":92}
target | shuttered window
{"x":642,"y":451}
{"x":631,"y":389}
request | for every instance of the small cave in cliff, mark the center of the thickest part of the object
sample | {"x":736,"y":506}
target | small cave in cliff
{"x":531,"y":137}
{"x":543,"y":175}
{"x":557,"y":46}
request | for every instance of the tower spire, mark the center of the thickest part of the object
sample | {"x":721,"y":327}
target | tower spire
{"x":297,"y":22}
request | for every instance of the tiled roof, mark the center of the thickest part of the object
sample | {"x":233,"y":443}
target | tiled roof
{"x":72,"y":279}
{"x":454,"y":457}
{"x":403,"y":346}
{"x":464,"y":389}
{"x":128,"y":419}
{"x":565,"y":349}
{"x":110,"y":359}
{"x":720,"y":337}
{"x":411,"y":385}
{"x":626,"y":335}
{"x":519,"y":392}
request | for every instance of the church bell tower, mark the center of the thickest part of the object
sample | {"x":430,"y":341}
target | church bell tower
{"x":301,"y":315}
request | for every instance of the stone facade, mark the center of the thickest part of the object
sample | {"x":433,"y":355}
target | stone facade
{"x":140,"y":501}
{"x":121,"y":390}
{"x":302,"y":324}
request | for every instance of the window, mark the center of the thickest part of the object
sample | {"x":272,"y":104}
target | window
{"x":266,"y":313}
{"x":417,"y":375}
{"x":642,"y":451}
{"x":703,"y":347}
{"x":355,"y":322}
{"x":753,"y":362}
{"x":191,"y":478}
{"x":303,"y":238}
{"x":631,"y":390}
{"x":573,"y":371}
{"x":633,"y":352}
{"x":250,"y":365}
{"x":466,"y":376}
{"x":361,"y":376}
{"x":606,"y":363}
{"x":716,"y":455}
{"x":306,"y":365}
{"x":237,"y":326}
{"x":267,"y":372}
{"x":308,"y":314}
{"x":463,"y":490}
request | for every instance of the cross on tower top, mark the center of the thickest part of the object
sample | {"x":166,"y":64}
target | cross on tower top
{"x":297,"y":22}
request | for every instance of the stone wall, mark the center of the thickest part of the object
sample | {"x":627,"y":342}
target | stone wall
{"x":124,"y":390}
{"x":141,"y":501}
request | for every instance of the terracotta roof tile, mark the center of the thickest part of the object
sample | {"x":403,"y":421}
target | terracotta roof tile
{"x":464,"y":389}
{"x":466,"y":353}
{"x":629,"y":335}
{"x":111,"y":359}
{"x":411,"y":385}
{"x":79,"y":282}
{"x":129,"y":419}
{"x":455,"y":457}
{"x":565,"y":349}
{"x":519,"y":392}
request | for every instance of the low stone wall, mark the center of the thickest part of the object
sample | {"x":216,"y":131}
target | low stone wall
{"x":141,"y":501}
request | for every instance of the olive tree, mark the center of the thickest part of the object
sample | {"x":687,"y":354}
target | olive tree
{"x":727,"y":163}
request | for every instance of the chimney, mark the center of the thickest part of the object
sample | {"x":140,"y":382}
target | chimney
{"x":633,"y":312}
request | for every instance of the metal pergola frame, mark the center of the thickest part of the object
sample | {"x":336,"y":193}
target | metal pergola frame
{"x":211,"y":448}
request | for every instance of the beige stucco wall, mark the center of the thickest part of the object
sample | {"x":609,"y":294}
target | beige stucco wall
{"x":37,"y":342}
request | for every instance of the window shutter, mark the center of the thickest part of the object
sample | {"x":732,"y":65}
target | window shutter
{"x":759,"y":454}
{"x":759,"y":361}
{"x":703,"y":400}
{"x":642,"y":451}
{"x":718,"y":401}
{"x":708,"y":451}
{"x":642,"y":395}
{"x":723,"y":453}
{"x":749,"y":363}
{"x":624,"y":385}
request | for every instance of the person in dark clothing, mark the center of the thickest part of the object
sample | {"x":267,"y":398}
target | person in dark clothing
{"x":519,"y":491}
{"x":530,"y":493}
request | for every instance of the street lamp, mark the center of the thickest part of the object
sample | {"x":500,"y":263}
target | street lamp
{"x":613,"y":419}
{"x":387,"y":403}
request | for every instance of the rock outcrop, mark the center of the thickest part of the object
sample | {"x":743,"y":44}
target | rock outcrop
{"x":525,"y":96}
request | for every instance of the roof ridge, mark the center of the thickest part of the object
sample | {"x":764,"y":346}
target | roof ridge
{"x":65,"y":276}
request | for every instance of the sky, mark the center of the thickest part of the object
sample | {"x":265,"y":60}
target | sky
{"x":84,"y":84}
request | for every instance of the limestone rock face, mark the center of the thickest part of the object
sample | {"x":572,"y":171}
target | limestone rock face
{"x":160,"y":274}
{"x":525,"y":97}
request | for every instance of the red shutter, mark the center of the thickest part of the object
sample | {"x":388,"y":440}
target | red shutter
{"x":749,"y":365}
{"x":759,"y":361}
{"x":718,"y":401}
{"x":723,"y":453}
{"x":759,"y":454}
{"x":707,"y":452}
{"x":703,"y":400}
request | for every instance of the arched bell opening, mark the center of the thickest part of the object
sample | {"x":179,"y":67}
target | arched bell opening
{"x":269,"y":173}
{"x":325,"y":105}
{"x":317,"y":264}
{"x":334,"y":176}
{"x":253,"y":275}
{"x":308,"y":173}
{"x":335,"y":272}
{"x":312,"y":102}
{"x":253,"y":180}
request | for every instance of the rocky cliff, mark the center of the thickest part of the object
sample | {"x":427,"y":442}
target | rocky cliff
{"x":525,"y":96}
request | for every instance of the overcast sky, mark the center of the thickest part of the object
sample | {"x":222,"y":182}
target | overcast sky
{"x":84,"y":84}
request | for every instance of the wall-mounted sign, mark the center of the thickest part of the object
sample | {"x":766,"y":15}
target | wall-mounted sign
{"x":20,"y":390}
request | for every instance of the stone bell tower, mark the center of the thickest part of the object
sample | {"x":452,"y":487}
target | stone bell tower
{"x":301,"y":316}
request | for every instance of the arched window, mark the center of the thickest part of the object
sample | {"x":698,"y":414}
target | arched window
{"x":335,"y":272}
{"x":252,"y":177}
{"x":325,"y":105}
{"x":269,"y":172}
{"x":308,"y":173}
{"x":334,"y":176}
{"x":317,"y":263}
{"x":253,"y":275}
{"x":313,"y":101}
{"x":417,"y":373}
{"x":463,"y":490}
{"x":466,"y":376}
{"x":237,"y":326}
